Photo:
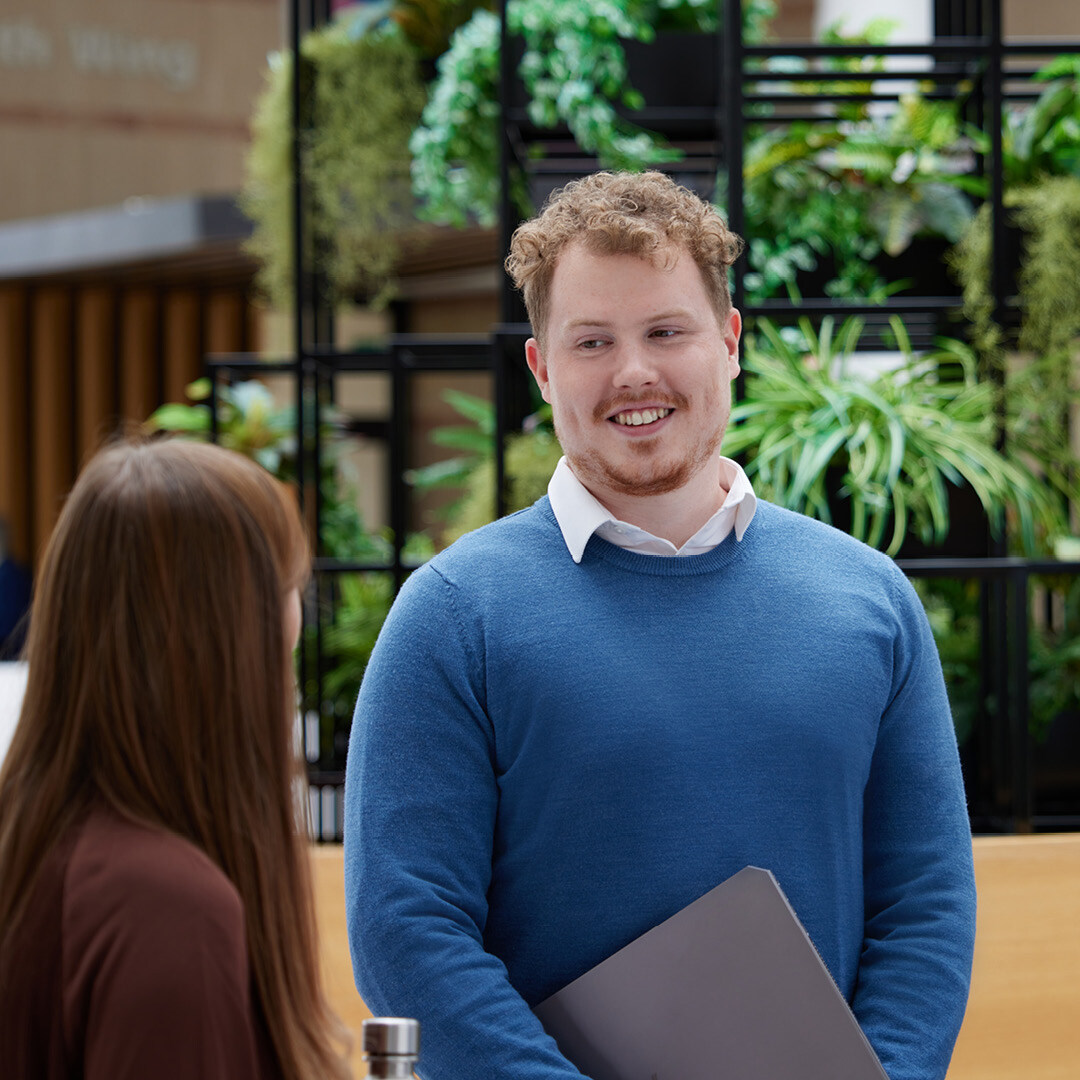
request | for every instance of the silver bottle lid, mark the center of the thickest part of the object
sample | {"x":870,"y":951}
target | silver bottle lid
{"x":391,"y":1036}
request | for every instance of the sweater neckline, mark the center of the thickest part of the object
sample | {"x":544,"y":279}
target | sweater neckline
{"x":728,"y":551}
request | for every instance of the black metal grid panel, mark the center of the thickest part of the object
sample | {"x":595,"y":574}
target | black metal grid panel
{"x":968,"y":47}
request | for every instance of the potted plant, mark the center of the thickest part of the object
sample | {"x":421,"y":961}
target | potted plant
{"x":884,"y":450}
{"x":833,"y":206}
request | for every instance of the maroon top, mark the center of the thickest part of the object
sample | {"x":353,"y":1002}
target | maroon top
{"x":131,"y":962}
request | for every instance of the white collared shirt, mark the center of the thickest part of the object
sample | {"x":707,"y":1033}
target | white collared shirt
{"x":580,"y":514}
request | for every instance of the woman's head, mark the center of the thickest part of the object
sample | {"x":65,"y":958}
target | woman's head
{"x":157,"y":644}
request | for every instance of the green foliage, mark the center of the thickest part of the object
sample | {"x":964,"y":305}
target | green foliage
{"x":251,"y":422}
{"x":836,"y":195}
{"x":366,"y":97}
{"x":1054,"y":667}
{"x":363,"y":602}
{"x":800,"y":216}
{"x":893,"y":443}
{"x":474,"y":441}
{"x":970,"y":262}
{"x":1040,"y":388}
{"x":429,"y":24}
{"x":1048,"y":214}
{"x":351,"y":620}
{"x":574,"y":71}
{"x":1041,"y":139}
{"x":530,"y":458}
{"x":953,"y":607}
{"x":455,"y":148}
{"x":266,"y":197}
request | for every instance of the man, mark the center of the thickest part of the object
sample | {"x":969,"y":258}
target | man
{"x":581,"y":718}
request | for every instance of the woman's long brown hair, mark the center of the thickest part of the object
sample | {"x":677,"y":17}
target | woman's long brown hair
{"x":160,"y":684}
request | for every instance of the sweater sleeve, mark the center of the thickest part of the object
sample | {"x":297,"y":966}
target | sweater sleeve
{"x":919,"y":883}
{"x":420,"y":806}
{"x":157,"y":975}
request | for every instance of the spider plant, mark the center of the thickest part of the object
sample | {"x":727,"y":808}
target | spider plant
{"x":814,"y":432}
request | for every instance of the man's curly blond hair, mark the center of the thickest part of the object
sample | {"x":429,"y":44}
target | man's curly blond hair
{"x":618,"y":213}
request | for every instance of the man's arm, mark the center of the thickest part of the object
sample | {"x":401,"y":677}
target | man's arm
{"x":421,"y":801}
{"x":919,"y":882}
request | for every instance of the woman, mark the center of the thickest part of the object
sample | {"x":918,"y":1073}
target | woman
{"x":155,"y":904}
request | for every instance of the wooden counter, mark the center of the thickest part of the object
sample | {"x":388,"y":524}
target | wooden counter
{"x":1023,"y":1018}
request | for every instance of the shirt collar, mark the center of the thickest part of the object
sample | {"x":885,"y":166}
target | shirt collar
{"x":580,"y":514}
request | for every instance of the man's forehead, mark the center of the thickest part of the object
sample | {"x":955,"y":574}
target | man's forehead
{"x":600,"y":246}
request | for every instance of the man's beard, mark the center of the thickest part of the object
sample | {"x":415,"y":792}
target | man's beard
{"x":592,"y":468}
{"x":657,"y":478}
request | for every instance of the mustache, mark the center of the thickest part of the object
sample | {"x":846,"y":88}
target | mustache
{"x":612,"y":405}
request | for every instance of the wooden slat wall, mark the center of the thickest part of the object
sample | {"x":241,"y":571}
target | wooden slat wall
{"x":182,"y":343}
{"x":226,"y":323}
{"x":96,"y":407}
{"x":52,"y":406}
{"x":139,"y":362}
{"x":76,"y":361}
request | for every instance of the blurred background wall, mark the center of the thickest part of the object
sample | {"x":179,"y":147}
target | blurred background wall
{"x":123,"y":128}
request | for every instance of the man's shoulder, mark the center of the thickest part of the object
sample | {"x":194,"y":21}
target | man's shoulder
{"x":823,"y":556}
{"x":528,"y":535}
{"x":788,"y":530}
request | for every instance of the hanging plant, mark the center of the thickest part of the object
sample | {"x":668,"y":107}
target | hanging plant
{"x":530,"y":457}
{"x":574,"y":72}
{"x":365,"y":95}
{"x":1035,"y":366}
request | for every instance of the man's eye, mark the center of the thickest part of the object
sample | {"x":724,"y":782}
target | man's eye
{"x":592,"y":343}
{"x":664,"y":332}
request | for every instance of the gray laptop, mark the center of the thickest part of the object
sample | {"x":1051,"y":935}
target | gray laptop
{"x":730,"y":987}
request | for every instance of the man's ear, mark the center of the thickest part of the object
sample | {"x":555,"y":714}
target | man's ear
{"x":537,"y":365}
{"x":732,"y":330}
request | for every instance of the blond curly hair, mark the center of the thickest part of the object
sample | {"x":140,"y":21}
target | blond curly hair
{"x":619,"y":213}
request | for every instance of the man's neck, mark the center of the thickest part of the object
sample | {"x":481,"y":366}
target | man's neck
{"x":675,"y":515}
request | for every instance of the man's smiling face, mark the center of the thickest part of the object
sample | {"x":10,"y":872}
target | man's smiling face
{"x":637,"y":366}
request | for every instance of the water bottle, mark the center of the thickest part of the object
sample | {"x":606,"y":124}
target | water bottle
{"x":391,"y":1046}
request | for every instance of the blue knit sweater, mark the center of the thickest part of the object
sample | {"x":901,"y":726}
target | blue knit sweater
{"x":548,"y":759}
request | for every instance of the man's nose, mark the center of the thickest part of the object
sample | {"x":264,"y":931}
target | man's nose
{"x":634,"y":366}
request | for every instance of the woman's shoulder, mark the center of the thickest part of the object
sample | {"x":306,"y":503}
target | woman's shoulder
{"x":133,"y":883}
{"x":154,"y":942}
{"x":119,"y":860}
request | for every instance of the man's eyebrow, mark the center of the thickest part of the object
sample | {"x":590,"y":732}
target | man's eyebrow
{"x":577,"y":324}
{"x":604,"y":324}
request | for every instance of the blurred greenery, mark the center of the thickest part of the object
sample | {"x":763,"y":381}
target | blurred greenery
{"x":530,"y":457}
{"x":352,"y":606}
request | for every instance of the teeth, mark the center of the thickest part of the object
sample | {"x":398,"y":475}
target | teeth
{"x":636,"y":419}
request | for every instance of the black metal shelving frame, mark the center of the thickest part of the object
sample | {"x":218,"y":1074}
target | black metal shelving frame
{"x":968,"y":56}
